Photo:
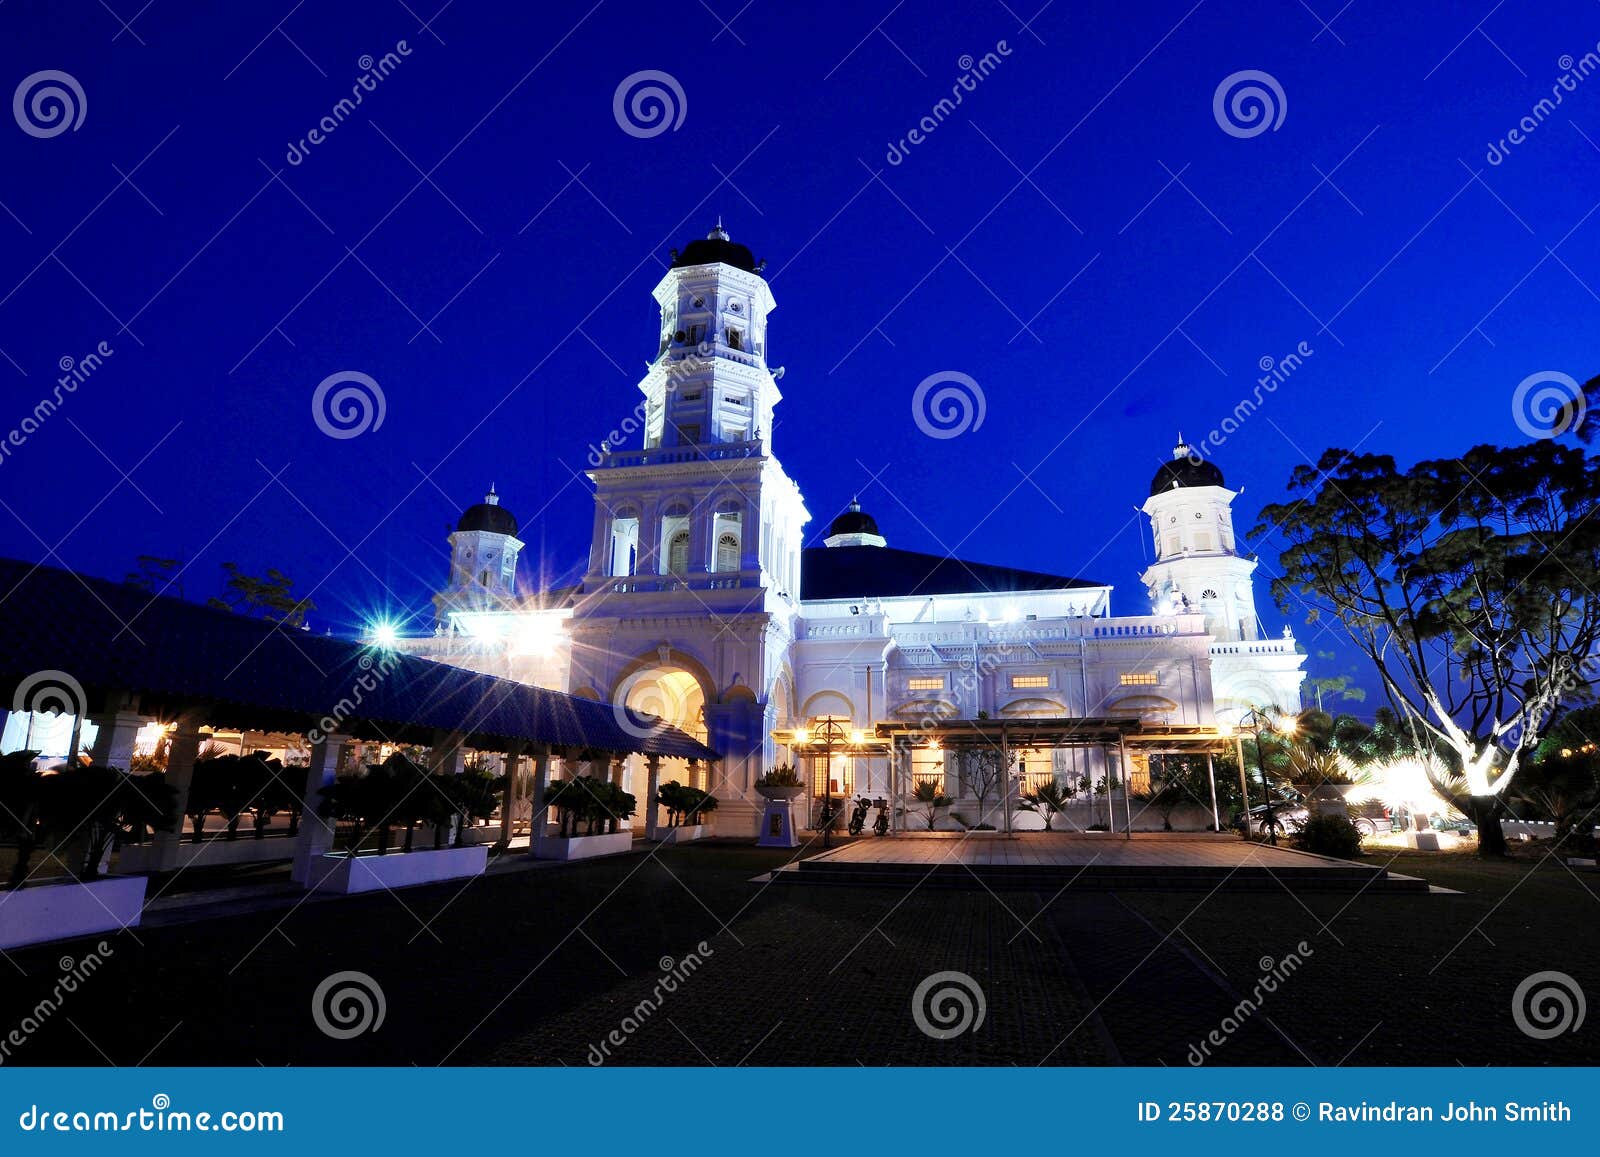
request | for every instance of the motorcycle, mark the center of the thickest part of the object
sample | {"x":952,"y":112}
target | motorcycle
{"x":880,"y":826}
{"x":858,"y":818}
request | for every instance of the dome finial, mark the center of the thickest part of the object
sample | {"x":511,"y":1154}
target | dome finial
{"x":1181,"y":450}
{"x":492,"y":498}
{"x":718,"y":233}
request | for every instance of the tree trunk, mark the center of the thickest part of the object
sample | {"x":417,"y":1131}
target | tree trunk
{"x":1485,"y":811}
{"x":19,"y":869}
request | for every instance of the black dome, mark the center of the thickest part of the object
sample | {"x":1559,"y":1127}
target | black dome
{"x":489,"y":515}
{"x":1186,"y":469}
{"x":854,"y":521}
{"x":716,"y":248}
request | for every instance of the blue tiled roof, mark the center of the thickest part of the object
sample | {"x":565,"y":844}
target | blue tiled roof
{"x":245,"y":672}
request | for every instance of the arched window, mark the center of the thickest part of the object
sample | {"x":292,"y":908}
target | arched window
{"x":624,"y":543}
{"x":671,"y":557}
{"x":727,"y":532}
{"x":1208,"y":594}
{"x":728,"y":552}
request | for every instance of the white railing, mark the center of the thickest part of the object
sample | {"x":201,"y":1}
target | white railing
{"x":659,"y":455}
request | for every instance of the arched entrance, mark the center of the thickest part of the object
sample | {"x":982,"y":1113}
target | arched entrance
{"x":671,"y":694}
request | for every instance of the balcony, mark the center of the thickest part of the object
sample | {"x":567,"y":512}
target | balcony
{"x":665,"y":455}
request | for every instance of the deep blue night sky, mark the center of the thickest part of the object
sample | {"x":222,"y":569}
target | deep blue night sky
{"x":1100,"y":304}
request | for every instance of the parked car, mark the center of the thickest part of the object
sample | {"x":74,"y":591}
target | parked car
{"x":1287,"y":816}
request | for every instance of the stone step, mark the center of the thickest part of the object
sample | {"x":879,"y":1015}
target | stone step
{"x":1099,"y":878}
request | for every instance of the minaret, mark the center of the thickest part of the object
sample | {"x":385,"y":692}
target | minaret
{"x":1198,"y":567}
{"x":692,"y":595}
{"x":704,"y":494}
{"x":483,"y":558}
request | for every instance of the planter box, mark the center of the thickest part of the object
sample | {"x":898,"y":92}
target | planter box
{"x":59,"y":910}
{"x":342,"y":872}
{"x":683,"y":833}
{"x":207,"y":853}
{"x":583,"y":847}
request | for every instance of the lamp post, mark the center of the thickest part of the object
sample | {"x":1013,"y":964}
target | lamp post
{"x":828,"y":734}
{"x":1256,"y":719}
{"x":1228,"y":730}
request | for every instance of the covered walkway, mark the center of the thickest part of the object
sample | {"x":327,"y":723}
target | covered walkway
{"x":120,"y":657}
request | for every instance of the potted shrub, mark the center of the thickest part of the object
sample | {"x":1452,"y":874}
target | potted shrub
{"x":474,"y":795}
{"x":373,"y":801}
{"x":780,"y":787}
{"x":781,"y":782}
{"x":74,"y":814}
{"x":588,"y":814}
{"x":686,"y":809}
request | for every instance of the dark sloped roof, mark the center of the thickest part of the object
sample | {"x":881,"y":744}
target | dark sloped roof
{"x":488,"y":516}
{"x":854,"y":520}
{"x":249,"y":673}
{"x":857,"y":572}
{"x":1185,"y":471}
{"x":712,"y":251}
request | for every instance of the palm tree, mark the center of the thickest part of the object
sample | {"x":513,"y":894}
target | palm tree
{"x":932,"y":799}
{"x":1049,"y":800}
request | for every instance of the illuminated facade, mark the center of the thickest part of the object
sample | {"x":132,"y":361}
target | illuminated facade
{"x":700,"y":602}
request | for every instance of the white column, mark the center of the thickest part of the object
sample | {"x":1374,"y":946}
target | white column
{"x":1127,"y":803}
{"x":447,"y":756}
{"x":182,"y":746}
{"x":508,"y":797}
{"x":1211,"y":775}
{"x":652,"y":826}
{"x":114,"y":737}
{"x":316,"y":831}
{"x":536,"y":808}
{"x":1005,"y":779}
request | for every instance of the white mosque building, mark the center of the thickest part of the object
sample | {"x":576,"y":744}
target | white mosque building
{"x":702,"y":604}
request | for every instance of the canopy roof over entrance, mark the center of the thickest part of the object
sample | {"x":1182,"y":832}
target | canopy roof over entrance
{"x":112,"y":640}
{"x":1064,"y":731}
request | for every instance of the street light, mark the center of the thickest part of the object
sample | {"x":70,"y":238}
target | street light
{"x":1229,"y":731}
{"x":828,"y":734}
{"x":1256,"y":719}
